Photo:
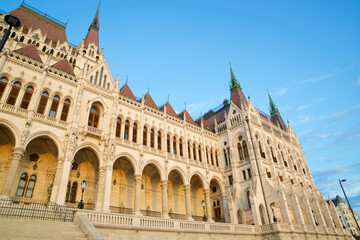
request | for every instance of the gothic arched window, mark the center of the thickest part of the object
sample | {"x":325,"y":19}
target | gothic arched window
{"x":118,"y":127}
{"x":43,"y":101}
{"x":54,"y":106}
{"x":27,"y":97}
{"x":30,"y":186}
{"x":145,"y":136}
{"x":159,"y":140}
{"x":134,"y":133}
{"x":21,"y":187}
{"x":168,"y":143}
{"x":65,"y":110}
{"x":152,"y":138}
{"x":127,"y":129}
{"x":181,"y":147}
{"x":73,"y":192}
{"x":174,"y":145}
{"x":94,"y":117}
{"x":14,"y":93}
{"x":3,"y":84}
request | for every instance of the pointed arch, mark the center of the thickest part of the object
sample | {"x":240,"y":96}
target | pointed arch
{"x":219,"y":182}
{"x":94,"y":148}
{"x":13,"y":129}
{"x":46,"y":134}
{"x":157,"y":165}
{"x":201,"y":177}
{"x":180,"y":171}
{"x":129,"y":157}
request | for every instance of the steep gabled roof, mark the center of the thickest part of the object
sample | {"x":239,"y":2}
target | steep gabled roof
{"x":236,"y":94}
{"x":64,"y":65}
{"x":149,"y":101}
{"x":188,"y":117}
{"x":219,"y":116}
{"x":93,"y":32}
{"x":30,"y":19}
{"x":169,"y":109}
{"x":201,"y":120}
{"x":126,"y":91}
{"x":30,"y":51}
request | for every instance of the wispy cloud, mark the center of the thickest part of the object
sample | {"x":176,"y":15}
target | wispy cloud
{"x":318,"y":78}
{"x":358,"y":81}
{"x":278,"y":91}
{"x":303,"y":107}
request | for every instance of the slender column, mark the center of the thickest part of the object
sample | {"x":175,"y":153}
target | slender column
{"x":208,"y":205}
{"x":137,"y":199}
{"x":10,"y":176}
{"x":122,"y":128}
{"x":64,"y":178}
{"x":187,"y":202}
{"x":107,"y":189}
{"x":100,"y":187}
{"x":164,"y":190}
{"x":56,"y":181}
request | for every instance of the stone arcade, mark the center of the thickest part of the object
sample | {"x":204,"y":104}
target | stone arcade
{"x":64,"y":119}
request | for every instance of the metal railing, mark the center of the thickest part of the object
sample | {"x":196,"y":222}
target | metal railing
{"x":20,"y":208}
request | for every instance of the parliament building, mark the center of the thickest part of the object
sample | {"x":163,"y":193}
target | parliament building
{"x":64,"y":119}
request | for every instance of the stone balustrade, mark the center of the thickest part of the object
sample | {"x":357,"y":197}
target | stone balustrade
{"x":111,"y":220}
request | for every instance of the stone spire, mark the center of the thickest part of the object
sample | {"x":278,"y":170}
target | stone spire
{"x":92,"y":37}
{"x":275,"y":114}
{"x":236,"y":94}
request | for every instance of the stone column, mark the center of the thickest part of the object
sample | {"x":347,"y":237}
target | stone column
{"x":56,"y":181}
{"x":131,"y":124}
{"x":164,"y":198}
{"x":100,"y":187}
{"x":208,"y":205}
{"x":107,"y":189}
{"x":16,"y":156}
{"x":64,"y":178}
{"x":225,"y":208}
{"x":137,"y":200}
{"x":187,"y":189}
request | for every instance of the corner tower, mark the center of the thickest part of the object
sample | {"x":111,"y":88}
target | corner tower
{"x":275,"y":114}
{"x":236,"y":94}
{"x":92,"y":36}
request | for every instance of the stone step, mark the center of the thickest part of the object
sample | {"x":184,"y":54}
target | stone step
{"x":15,"y":228}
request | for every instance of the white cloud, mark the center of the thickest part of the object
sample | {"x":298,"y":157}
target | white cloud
{"x":303,"y":107}
{"x":358,"y":81}
{"x":279,"y":91}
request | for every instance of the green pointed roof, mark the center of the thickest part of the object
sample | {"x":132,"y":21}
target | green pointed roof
{"x":273,"y":109}
{"x":233,"y":81}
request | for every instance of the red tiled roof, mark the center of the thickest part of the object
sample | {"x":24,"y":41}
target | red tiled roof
{"x":64,"y":65}
{"x":30,"y":19}
{"x":30,"y":51}
{"x":220,"y":117}
{"x":170,"y":110}
{"x":126,"y":91}
{"x":149,"y":101}
{"x":238,"y":98}
{"x":92,"y":37}
{"x":188,"y":117}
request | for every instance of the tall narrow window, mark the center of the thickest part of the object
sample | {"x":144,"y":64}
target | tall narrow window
{"x":229,"y":157}
{"x":248,"y":198}
{"x":101,"y":74}
{"x":22,"y":184}
{"x":43,"y":101}
{"x":240,"y":151}
{"x":96,"y":77}
{"x":73,"y":192}
{"x":181,"y":147}
{"x":127,"y":128}
{"x":14,"y":93}
{"x":134,"y":133}
{"x":207,"y":155}
{"x":145,"y":136}
{"x":159,"y":140}
{"x":54,"y":106}
{"x":174,"y":145}
{"x":200,"y":158}
{"x":118,"y":127}
{"x":225,"y":157}
{"x":189,"y":152}
{"x":152,"y":138}
{"x":3,"y":83}
{"x":245,"y":150}
{"x":104,"y":83}
{"x":168,"y":143}
{"x":212,"y":157}
{"x":30,"y":186}
{"x":91,"y":78}
{"x":194,"y":151}
{"x":217,"y":158}
{"x":27,"y":97}
{"x":65,"y":110}
{"x":94,"y":117}
{"x":68,"y":192}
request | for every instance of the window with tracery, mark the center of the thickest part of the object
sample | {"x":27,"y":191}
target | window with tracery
{"x":152,"y":138}
{"x":27,"y":97}
{"x":118,"y":127}
{"x":3,"y":84}
{"x":134,"y":132}
{"x":54,"y":106}
{"x":14,"y":93}
{"x":65,"y":110}
{"x":127,"y":129}
{"x":21,"y":187}
{"x":145,"y":136}
{"x":94,"y":114}
{"x":194,"y":151}
{"x":168,"y":143}
{"x":174,"y":145}
{"x":43,"y":101}
{"x":159,"y":140}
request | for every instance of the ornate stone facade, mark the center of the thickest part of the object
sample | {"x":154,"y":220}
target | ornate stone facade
{"x":64,"y":119}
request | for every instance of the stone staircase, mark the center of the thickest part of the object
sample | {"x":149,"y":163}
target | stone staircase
{"x":15,"y":228}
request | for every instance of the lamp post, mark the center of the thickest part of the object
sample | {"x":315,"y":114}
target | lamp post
{"x":203,"y":204}
{"x":13,"y":21}
{"x":272,"y":209}
{"x":83,"y":186}
{"x":357,"y":224}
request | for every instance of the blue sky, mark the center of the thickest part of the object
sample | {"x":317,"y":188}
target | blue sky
{"x":306,"y":53}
